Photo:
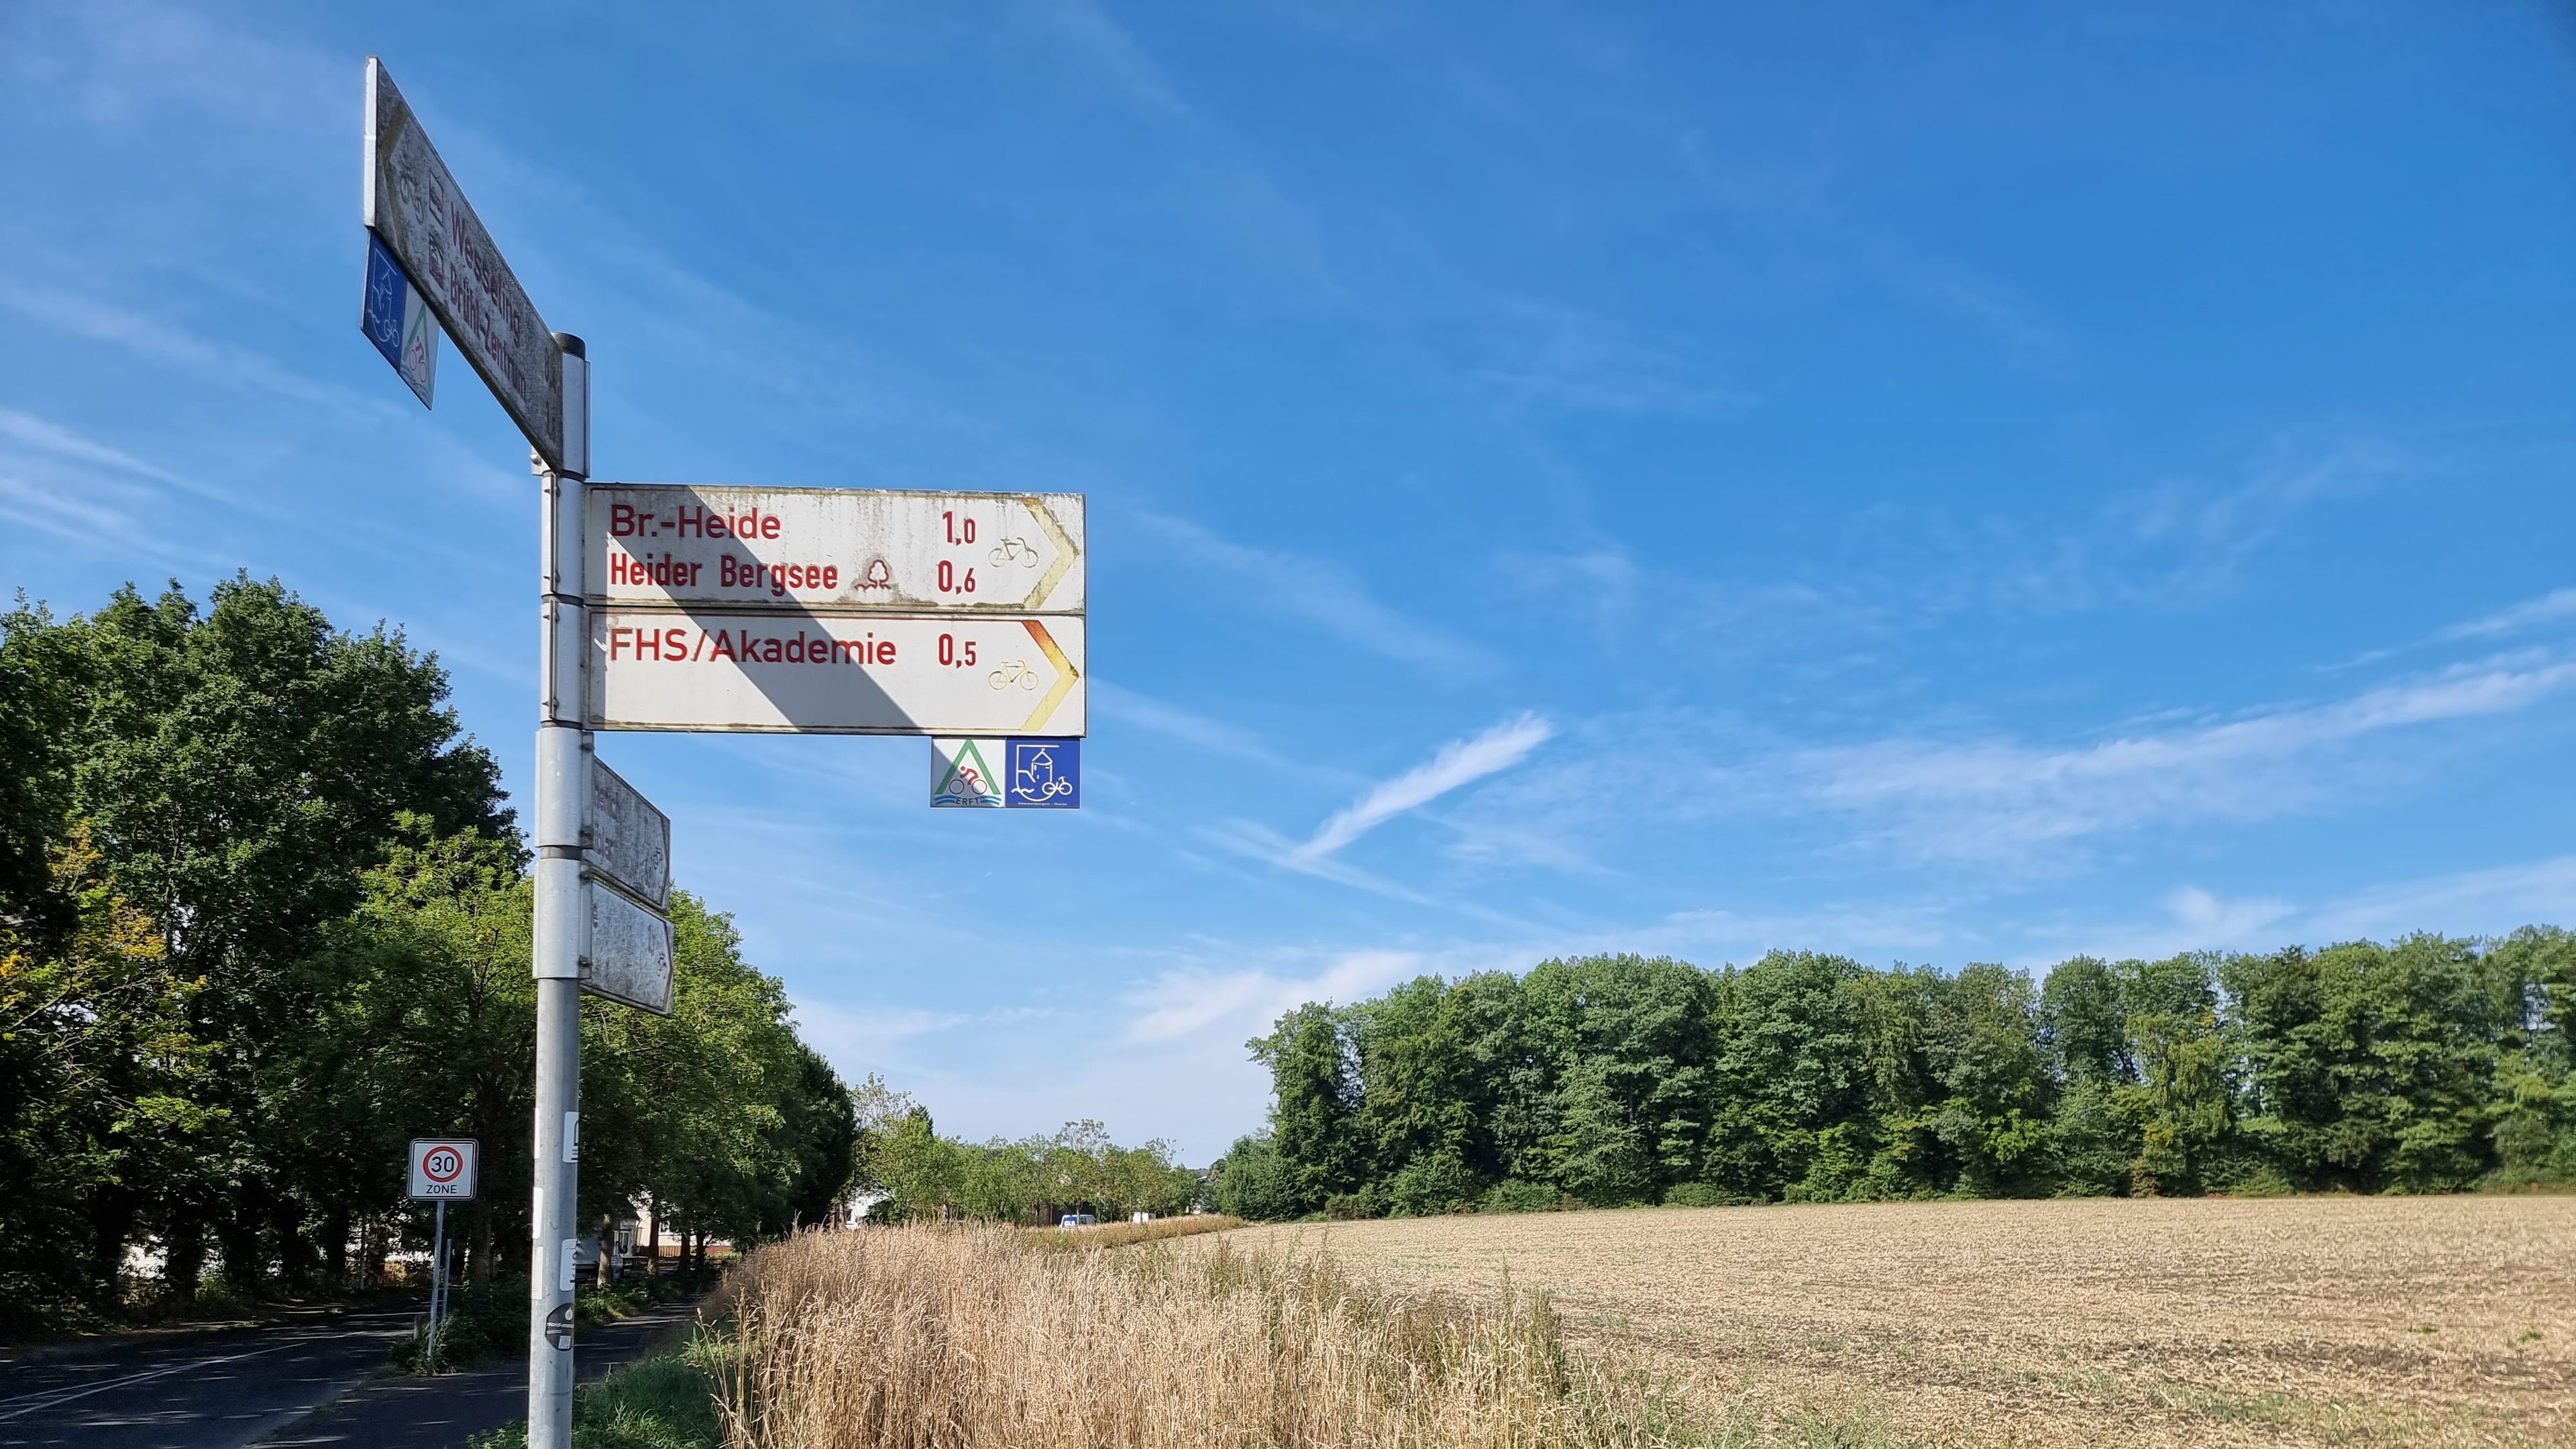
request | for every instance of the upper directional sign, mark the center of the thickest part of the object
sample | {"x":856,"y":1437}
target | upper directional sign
{"x":415,"y":205}
{"x":836,"y":550}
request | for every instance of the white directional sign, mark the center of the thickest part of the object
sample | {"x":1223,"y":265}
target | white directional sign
{"x":628,"y":957}
{"x":798,"y":672}
{"x":627,"y":838}
{"x":442,"y":1167}
{"x":411,"y":201}
{"x":837,"y":549}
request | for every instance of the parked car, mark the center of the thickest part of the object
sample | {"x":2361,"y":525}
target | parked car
{"x":1077,"y":1220}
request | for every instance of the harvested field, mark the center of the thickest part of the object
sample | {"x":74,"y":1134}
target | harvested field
{"x":2426,"y":1320}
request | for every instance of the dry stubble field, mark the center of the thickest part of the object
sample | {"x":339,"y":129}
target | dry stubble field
{"x":2428,"y":1320}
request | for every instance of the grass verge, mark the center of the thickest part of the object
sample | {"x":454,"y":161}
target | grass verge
{"x":666,"y":1400}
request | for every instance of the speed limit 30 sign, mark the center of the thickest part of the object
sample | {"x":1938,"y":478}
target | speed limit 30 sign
{"x":442,"y":1167}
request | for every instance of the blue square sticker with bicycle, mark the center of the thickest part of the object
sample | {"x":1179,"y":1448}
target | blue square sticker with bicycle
{"x":1026,"y":773}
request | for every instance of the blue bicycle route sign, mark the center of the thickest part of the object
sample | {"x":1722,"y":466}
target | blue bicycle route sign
{"x":397,"y":319}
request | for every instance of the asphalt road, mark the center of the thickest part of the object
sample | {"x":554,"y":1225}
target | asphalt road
{"x":228,"y":1389}
{"x":194,"y":1391}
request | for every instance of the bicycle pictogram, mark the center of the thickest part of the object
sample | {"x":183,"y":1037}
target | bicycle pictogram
{"x":1016,"y":672}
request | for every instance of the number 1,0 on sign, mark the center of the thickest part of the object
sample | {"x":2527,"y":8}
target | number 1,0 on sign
{"x":836,"y":550}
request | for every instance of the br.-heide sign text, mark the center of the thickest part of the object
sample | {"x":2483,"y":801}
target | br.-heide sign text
{"x":836,"y":549}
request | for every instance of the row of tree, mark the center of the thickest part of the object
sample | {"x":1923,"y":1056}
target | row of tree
{"x":263,"y":918}
{"x":914,"y":1173}
{"x":2422,"y":1065}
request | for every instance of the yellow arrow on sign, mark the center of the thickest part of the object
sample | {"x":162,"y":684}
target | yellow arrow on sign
{"x":1064,"y":671}
{"x":1064,"y":552}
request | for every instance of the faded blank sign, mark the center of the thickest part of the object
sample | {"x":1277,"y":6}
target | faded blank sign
{"x":630,"y":838}
{"x":629,"y":955}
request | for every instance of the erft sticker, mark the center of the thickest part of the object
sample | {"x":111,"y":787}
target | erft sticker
{"x":964,"y":774}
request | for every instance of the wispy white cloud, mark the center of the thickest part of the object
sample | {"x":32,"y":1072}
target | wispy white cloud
{"x":177,"y":348}
{"x":1321,"y":593}
{"x":1460,"y":762}
{"x":1568,"y":357}
{"x":1188,"y":1002}
{"x":2001,"y":797}
{"x":2550,"y":608}
{"x":1215,"y":737}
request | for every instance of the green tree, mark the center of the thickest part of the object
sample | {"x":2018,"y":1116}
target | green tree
{"x":1315,"y":1105}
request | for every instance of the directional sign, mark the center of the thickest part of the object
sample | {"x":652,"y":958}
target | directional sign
{"x":396,"y":318}
{"x":837,"y":549}
{"x":442,"y":1167}
{"x":412,"y":202}
{"x":628,"y":958}
{"x":628,"y":838}
{"x":1042,"y":774}
{"x":797,"y":672}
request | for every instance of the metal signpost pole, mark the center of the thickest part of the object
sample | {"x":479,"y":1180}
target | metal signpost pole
{"x":437,"y":1282}
{"x":562,"y":919}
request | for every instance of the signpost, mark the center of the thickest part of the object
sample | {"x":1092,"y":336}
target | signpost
{"x":442,"y":1170}
{"x":668,"y":607}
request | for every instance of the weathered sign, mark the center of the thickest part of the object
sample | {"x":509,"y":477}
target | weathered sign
{"x":411,"y":201}
{"x":396,"y":318}
{"x":800,"y":672}
{"x":837,"y":549}
{"x":442,"y":1167}
{"x":628,"y":957}
{"x":627,"y":838}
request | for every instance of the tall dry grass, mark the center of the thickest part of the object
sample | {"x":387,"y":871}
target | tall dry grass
{"x":932,"y":1337}
{"x":1119,"y":1235}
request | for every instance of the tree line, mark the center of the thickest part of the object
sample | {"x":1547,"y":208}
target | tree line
{"x":2427,"y":1064}
{"x":917,"y":1174}
{"x":265,"y":917}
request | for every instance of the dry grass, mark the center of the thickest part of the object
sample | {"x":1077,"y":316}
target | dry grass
{"x":1119,"y":1235}
{"x":2446,"y":1320}
{"x":977,"y":1338}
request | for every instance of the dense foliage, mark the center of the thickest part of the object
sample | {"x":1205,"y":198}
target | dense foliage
{"x":915,"y":1173}
{"x":2422,"y":1065}
{"x":264,"y":918}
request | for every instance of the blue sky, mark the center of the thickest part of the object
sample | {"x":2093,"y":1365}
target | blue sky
{"x":1933,"y":483}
